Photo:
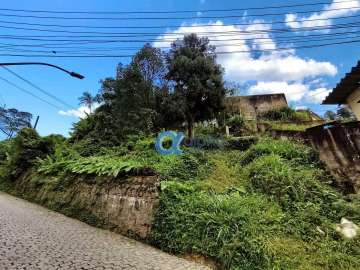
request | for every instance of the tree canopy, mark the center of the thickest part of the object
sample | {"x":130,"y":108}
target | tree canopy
{"x":157,"y":90}
{"x":13,"y":120}
{"x":197,"y":79}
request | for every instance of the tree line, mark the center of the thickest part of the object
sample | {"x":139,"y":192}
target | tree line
{"x":157,"y":90}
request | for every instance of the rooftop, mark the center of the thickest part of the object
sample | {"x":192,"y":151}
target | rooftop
{"x":278,"y":95}
{"x":345,"y":87}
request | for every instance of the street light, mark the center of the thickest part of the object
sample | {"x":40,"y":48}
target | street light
{"x":71,"y":73}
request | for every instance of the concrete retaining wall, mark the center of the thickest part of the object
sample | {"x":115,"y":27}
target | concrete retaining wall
{"x":339,"y":148}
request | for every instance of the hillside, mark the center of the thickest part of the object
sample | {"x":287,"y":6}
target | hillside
{"x":251,"y":204}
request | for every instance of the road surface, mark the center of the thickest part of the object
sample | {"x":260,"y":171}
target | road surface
{"x":33,"y":237}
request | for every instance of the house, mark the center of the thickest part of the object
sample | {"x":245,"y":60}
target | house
{"x":347,"y":91}
{"x":253,"y":106}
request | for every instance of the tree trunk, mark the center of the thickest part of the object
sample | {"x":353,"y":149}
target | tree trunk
{"x":190,"y":128}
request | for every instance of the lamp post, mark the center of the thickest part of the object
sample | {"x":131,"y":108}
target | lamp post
{"x":71,"y":73}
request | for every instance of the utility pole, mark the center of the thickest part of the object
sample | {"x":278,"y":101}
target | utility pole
{"x":71,"y":73}
{"x":36,"y":121}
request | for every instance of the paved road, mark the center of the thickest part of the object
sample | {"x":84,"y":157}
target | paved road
{"x":32,"y":237}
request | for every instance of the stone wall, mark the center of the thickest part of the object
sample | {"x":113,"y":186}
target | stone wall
{"x":126,"y":206}
{"x":252,"y":106}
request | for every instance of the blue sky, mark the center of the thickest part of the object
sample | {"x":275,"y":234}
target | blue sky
{"x":301,"y":74}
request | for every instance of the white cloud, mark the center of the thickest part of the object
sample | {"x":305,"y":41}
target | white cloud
{"x":267,"y":71}
{"x":241,"y":67}
{"x":80,"y":112}
{"x":301,"y":108}
{"x":324,"y":18}
{"x":317,"y":95}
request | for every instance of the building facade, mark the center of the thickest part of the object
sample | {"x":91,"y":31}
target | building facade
{"x":354,"y":102}
{"x":347,"y":91}
{"x":252,"y":106}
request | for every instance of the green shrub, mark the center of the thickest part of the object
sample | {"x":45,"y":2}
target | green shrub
{"x":237,"y":121}
{"x":284,"y":148}
{"x":287,"y":182}
{"x":228,"y":227}
{"x":5,"y":148}
{"x":26,"y":148}
{"x":101,"y":166}
{"x":285,"y":114}
{"x":206,"y":130}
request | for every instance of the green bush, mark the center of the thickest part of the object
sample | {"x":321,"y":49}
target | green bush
{"x":237,"y":121}
{"x":5,"y":148}
{"x":206,"y":130}
{"x":26,"y":148}
{"x":101,"y":166}
{"x":285,"y":114}
{"x":284,"y":148}
{"x":228,"y":227}
{"x":287,"y":182}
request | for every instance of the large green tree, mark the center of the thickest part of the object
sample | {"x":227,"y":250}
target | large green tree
{"x":129,"y":100}
{"x":197,"y":80}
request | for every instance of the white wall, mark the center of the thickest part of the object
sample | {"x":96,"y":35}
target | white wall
{"x":353,"y":100}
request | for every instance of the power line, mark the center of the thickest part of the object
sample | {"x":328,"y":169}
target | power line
{"x":29,"y":93}
{"x":128,"y":34}
{"x":318,"y":93}
{"x":148,"y":27}
{"x":174,"y":12}
{"x":218,"y":53}
{"x":88,"y":51}
{"x":240,"y":32}
{"x":167,"y":26}
{"x":275,"y":39}
{"x":166,"y":18}
{"x":37,"y":87}
{"x":162,"y":40}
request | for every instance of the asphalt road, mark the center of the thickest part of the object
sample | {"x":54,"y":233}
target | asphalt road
{"x":33,"y":237}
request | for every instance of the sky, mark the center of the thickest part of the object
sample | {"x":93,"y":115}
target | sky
{"x":306,"y":76}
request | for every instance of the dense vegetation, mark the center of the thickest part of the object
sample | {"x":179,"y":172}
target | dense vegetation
{"x":285,"y":114}
{"x":268,"y":206}
{"x":155,"y":90}
{"x":246,"y":203}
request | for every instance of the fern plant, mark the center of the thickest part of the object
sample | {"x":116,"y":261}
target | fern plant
{"x":101,"y":166}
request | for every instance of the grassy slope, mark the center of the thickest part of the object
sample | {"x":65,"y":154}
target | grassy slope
{"x":259,"y":209}
{"x":264,"y":208}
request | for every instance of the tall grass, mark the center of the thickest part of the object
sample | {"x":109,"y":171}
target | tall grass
{"x":277,"y":212}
